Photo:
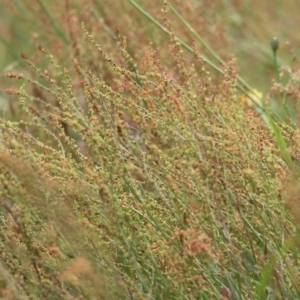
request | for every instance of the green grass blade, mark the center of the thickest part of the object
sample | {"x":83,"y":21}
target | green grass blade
{"x":280,"y":141}
{"x":194,"y":32}
{"x":241,"y":83}
{"x":59,"y":32}
{"x":22,"y":8}
{"x":164,"y":29}
{"x":266,"y":274}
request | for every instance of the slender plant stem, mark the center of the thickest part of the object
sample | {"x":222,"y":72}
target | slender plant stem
{"x":241,"y":85}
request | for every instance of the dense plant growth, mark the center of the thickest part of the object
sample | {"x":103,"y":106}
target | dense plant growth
{"x":137,"y":162}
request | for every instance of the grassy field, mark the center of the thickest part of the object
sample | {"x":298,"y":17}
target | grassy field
{"x":149,"y":149}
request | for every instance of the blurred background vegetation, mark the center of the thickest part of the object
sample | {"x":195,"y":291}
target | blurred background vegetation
{"x":242,"y":28}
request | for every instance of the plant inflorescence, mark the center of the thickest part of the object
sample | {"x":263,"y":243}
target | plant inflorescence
{"x":137,"y":168}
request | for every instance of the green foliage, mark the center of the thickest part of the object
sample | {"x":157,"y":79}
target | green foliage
{"x":131,"y":169}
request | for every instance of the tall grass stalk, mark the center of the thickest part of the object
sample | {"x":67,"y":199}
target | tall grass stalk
{"x":131,"y":171}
